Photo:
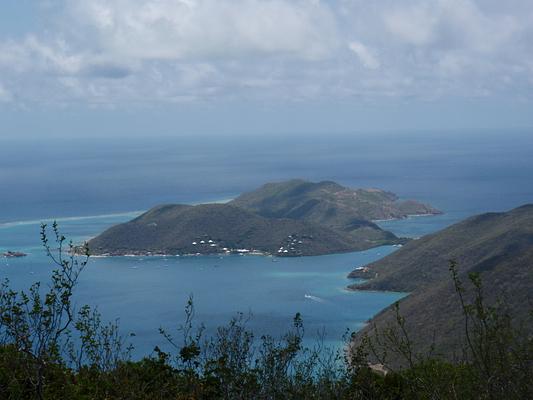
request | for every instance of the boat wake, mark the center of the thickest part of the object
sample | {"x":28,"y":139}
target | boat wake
{"x":314,"y":298}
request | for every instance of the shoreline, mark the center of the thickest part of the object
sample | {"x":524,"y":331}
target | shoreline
{"x":134,"y":214}
{"x":255,"y":253}
{"x":407,"y":217}
{"x":164,"y":255}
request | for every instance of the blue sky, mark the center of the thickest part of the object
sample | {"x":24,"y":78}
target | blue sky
{"x":89,"y":67}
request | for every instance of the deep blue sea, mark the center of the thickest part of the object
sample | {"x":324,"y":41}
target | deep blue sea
{"x":89,"y":185}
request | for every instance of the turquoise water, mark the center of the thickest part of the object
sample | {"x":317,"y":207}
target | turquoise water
{"x":146,"y":293}
{"x":461,"y":174}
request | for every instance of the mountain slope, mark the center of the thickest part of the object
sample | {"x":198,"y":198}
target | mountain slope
{"x":497,"y":245}
{"x":212,"y":228}
{"x":337,"y":219}
{"x":328,"y":203}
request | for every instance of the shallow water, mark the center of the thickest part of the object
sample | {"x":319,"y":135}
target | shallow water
{"x":461,"y":175}
{"x":149,"y":292}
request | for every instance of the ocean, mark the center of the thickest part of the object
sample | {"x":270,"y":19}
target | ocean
{"x":89,"y":185}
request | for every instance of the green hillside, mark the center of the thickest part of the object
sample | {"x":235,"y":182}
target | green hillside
{"x":221,"y":228}
{"x":328,"y":203}
{"x":292,"y":218}
{"x":499,"y":246}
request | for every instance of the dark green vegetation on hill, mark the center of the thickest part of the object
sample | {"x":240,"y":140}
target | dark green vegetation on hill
{"x":211,"y":228}
{"x":328,"y":203}
{"x":292,"y":218}
{"x":51,"y":350}
{"x":499,"y":246}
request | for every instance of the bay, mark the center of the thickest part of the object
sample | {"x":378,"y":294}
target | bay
{"x":90,"y":185}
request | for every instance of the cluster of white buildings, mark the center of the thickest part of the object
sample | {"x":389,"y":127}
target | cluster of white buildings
{"x":209,"y":242}
{"x":212,"y":243}
{"x":292,"y":243}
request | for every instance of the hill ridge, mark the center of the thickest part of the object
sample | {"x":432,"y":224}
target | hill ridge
{"x":299,"y":208}
{"x":497,"y":245}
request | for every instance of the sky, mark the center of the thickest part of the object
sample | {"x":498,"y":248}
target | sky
{"x":146,"y":67}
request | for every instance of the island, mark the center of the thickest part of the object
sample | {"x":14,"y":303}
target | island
{"x":285,"y":219}
{"x":329,"y":203}
{"x":13,"y":254}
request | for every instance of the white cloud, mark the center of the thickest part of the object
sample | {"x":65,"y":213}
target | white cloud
{"x":414,"y":25}
{"x":56,"y":58}
{"x":364,"y":54}
{"x":450,"y":24}
{"x":5,"y":95}
{"x":179,"y":29}
{"x":31,"y":54}
{"x":116,"y":52}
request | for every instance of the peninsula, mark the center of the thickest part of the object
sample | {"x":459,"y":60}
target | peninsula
{"x":292,"y":218}
{"x":499,"y":246}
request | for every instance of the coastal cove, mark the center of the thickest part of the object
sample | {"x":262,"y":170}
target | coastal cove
{"x":150,"y":292}
{"x":266,"y":200}
{"x":483,"y":174}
